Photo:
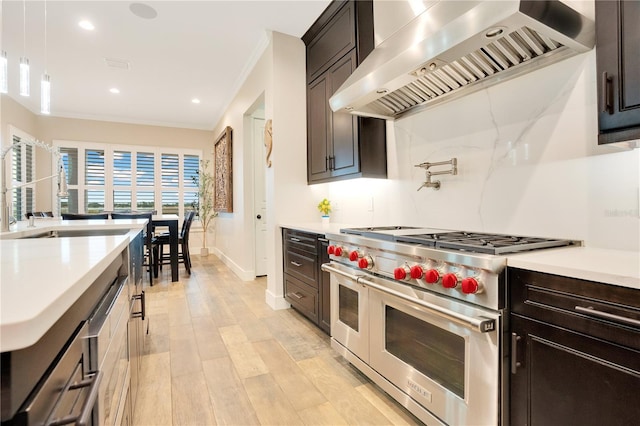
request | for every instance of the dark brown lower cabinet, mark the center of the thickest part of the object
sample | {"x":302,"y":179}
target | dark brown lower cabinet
{"x":306,"y":286}
{"x":570,"y":366}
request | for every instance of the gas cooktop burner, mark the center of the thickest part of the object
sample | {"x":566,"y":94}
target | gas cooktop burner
{"x":475,"y":242}
{"x":480,"y":242}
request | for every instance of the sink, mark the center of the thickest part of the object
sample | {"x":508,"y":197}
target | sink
{"x":78,"y":233}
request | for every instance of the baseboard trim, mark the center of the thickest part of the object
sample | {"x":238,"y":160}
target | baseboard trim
{"x":275,"y":302}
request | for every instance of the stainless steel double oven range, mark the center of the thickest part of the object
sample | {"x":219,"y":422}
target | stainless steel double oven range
{"x":421,"y":312}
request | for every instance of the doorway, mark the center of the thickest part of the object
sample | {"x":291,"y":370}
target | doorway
{"x":259,"y":194}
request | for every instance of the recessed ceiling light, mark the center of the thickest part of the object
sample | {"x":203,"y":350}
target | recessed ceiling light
{"x":114,"y":90}
{"x":195,"y":100}
{"x":86,"y":25}
{"x":142,"y":10}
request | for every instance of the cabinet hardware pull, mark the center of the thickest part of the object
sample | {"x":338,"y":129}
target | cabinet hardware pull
{"x":606,"y":315}
{"x":294,"y":239}
{"x":93,"y":383}
{"x":607,"y":93}
{"x":297,"y":295}
{"x":143,"y":310}
{"x":514,"y":353}
{"x":296,"y":263}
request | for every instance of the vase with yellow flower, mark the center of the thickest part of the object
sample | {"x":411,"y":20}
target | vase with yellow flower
{"x":325,"y":208}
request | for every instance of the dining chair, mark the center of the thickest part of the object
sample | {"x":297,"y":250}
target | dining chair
{"x":148,"y":238}
{"x":84,"y":216}
{"x":159,"y":241}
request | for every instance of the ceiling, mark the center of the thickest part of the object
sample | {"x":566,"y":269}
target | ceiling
{"x":191,"y":49}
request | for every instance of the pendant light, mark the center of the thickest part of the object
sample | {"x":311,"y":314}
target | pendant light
{"x":24,"y":61}
{"x":45,"y":83}
{"x":4,"y":73}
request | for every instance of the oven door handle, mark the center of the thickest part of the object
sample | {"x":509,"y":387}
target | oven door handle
{"x":328,"y":268}
{"x":481,"y":325}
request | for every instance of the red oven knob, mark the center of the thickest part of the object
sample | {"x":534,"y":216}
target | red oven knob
{"x":449,"y":281}
{"x":416,"y":272}
{"x":354,"y":255}
{"x":365,"y":262}
{"x":331,"y":250}
{"x":470,"y":285}
{"x":338,"y":251}
{"x":401,"y":273}
{"x":432,"y":276}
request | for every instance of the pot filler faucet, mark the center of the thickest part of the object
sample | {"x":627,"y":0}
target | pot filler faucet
{"x":428,"y":183}
{"x":62,"y":178}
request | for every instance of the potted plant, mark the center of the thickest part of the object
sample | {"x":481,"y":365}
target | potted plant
{"x":325,"y":208}
{"x":204,"y":204}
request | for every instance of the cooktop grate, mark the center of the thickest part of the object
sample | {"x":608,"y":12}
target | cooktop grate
{"x":481,"y":242}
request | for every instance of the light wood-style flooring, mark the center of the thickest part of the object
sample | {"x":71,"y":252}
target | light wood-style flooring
{"x":216,"y":354}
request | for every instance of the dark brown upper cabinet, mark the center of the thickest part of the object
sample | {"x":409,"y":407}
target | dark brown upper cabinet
{"x":618,"y":70}
{"x":340,"y":145}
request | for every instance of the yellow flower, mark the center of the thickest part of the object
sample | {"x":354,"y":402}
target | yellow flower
{"x":325,"y":207}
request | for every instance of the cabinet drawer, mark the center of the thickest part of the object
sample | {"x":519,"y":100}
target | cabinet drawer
{"x":579,"y":305}
{"x":302,"y":297}
{"x":300,"y":240}
{"x":333,"y":41}
{"x":302,"y":266}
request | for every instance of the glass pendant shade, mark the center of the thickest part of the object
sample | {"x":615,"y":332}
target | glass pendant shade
{"x":24,"y":76}
{"x":4,"y":73}
{"x":45,"y":94}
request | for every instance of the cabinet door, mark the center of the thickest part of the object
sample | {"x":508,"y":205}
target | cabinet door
{"x":336,"y":37}
{"x":618,"y":70}
{"x":318,"y":114}
{"x":567,"y":378}
{"x":344,"y":126}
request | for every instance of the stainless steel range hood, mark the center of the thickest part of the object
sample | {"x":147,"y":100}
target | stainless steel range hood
{"x":454,"y":48}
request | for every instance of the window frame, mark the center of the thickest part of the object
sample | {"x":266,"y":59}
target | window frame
{"x":109,"y":187}
{"x":26,"y":169}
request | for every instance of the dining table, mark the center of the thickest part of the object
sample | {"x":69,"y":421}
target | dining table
{"x":170,"y":221}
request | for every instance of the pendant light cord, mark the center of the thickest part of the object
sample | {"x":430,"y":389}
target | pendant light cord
{"x":45,"y":36}
{"x":24,"y":28}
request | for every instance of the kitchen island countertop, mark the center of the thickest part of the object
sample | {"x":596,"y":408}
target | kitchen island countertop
{"x":42,"y":277}
{"x":616,"y":267}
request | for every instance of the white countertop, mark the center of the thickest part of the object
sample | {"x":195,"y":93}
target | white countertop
{"x":41,"y":278}
{"x":617,"y":267}
{"x":317,"y":227}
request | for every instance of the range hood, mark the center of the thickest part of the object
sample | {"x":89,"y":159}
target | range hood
{"x":454,"y":48}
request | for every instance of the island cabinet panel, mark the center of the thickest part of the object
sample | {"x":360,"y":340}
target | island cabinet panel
{"x":575,"y":351}
{"x":340,"y":145}
{"x":618,"y":70}
{"x":306,"y":286}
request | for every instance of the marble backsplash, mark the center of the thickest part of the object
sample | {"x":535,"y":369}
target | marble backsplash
{"x":528,"y":164}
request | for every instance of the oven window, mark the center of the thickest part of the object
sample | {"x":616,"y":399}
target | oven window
{"x":436,"y":353}
{"x":348,"y":307}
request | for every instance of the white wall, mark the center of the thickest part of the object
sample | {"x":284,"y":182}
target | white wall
{"x":278,"y":79}
{"x":528,"y":164}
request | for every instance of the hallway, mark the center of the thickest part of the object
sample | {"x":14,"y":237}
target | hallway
{"x":217,"y":354}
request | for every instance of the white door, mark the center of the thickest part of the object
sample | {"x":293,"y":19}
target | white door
{"x":260,"y":198}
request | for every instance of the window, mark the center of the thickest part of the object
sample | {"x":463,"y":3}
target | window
{"x":127,"y":178}
{"x":23,"y":166}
